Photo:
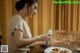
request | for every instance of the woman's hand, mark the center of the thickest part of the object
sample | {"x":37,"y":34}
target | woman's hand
{"x":45,"y":37}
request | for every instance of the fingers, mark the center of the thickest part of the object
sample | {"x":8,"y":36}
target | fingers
{"x":49,"y":38}
{"x":45,"y":37}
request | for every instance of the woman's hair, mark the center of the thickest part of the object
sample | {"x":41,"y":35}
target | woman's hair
{"x":20,"y":4}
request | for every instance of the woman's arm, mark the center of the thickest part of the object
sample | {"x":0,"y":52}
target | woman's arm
{"x":21,"y":42}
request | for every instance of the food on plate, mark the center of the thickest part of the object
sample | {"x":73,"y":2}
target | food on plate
{"x":64,"y":51}
{"x":57,"y":50}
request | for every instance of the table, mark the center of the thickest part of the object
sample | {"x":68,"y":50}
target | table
{"x":72,"y":37}
{"x":38,"y":49}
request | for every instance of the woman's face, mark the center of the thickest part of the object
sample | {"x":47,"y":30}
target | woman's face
{"x":32,"y":10}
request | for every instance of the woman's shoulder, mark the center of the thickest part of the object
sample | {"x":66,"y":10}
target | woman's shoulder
{"x":16,"y":17}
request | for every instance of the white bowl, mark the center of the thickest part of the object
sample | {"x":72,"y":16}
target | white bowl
{"x":78,"y":49}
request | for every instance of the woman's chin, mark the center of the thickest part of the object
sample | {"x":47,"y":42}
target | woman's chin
{"x":30,"y":16}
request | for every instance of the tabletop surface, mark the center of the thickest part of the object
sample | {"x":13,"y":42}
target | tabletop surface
{"x":72,"y":40}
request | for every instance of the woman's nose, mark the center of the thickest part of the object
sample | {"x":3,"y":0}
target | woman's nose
{"x":35,"y":11}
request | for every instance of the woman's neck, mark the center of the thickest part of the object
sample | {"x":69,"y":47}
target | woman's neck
{"x":22,"y":14}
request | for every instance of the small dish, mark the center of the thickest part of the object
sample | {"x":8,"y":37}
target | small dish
{"x":78,"y":49}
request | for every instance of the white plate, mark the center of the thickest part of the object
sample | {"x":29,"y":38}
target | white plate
{"x":48,"y":50}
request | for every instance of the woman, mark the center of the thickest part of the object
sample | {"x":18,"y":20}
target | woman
{"x":20,"y":37}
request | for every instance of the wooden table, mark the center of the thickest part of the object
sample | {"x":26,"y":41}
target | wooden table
{"x":38,"y":49}
{"x":72,"y":36}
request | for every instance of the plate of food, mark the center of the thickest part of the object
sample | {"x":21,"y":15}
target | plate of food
{"x":57,"y":50}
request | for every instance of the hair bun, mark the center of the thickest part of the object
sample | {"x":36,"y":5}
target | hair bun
{"x":23,"y":0}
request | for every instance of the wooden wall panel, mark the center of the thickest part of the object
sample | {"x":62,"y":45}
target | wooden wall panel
{"x":6,"y":13}
{"x":40,"y":17}
{"x":4,"y":20}
{"x":52,"y":15}
{"x":68,"y":15}
{"x":60,"y":17}
{"x":35,"y":26}
{"x":79,"y":18}
{"x":55,"y":16}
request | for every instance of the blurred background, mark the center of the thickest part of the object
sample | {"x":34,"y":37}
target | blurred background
{"x":56,"y":16}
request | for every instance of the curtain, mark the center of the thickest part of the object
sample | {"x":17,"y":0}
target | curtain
{"x":6,"y":11}
{"x":67,"y":16}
